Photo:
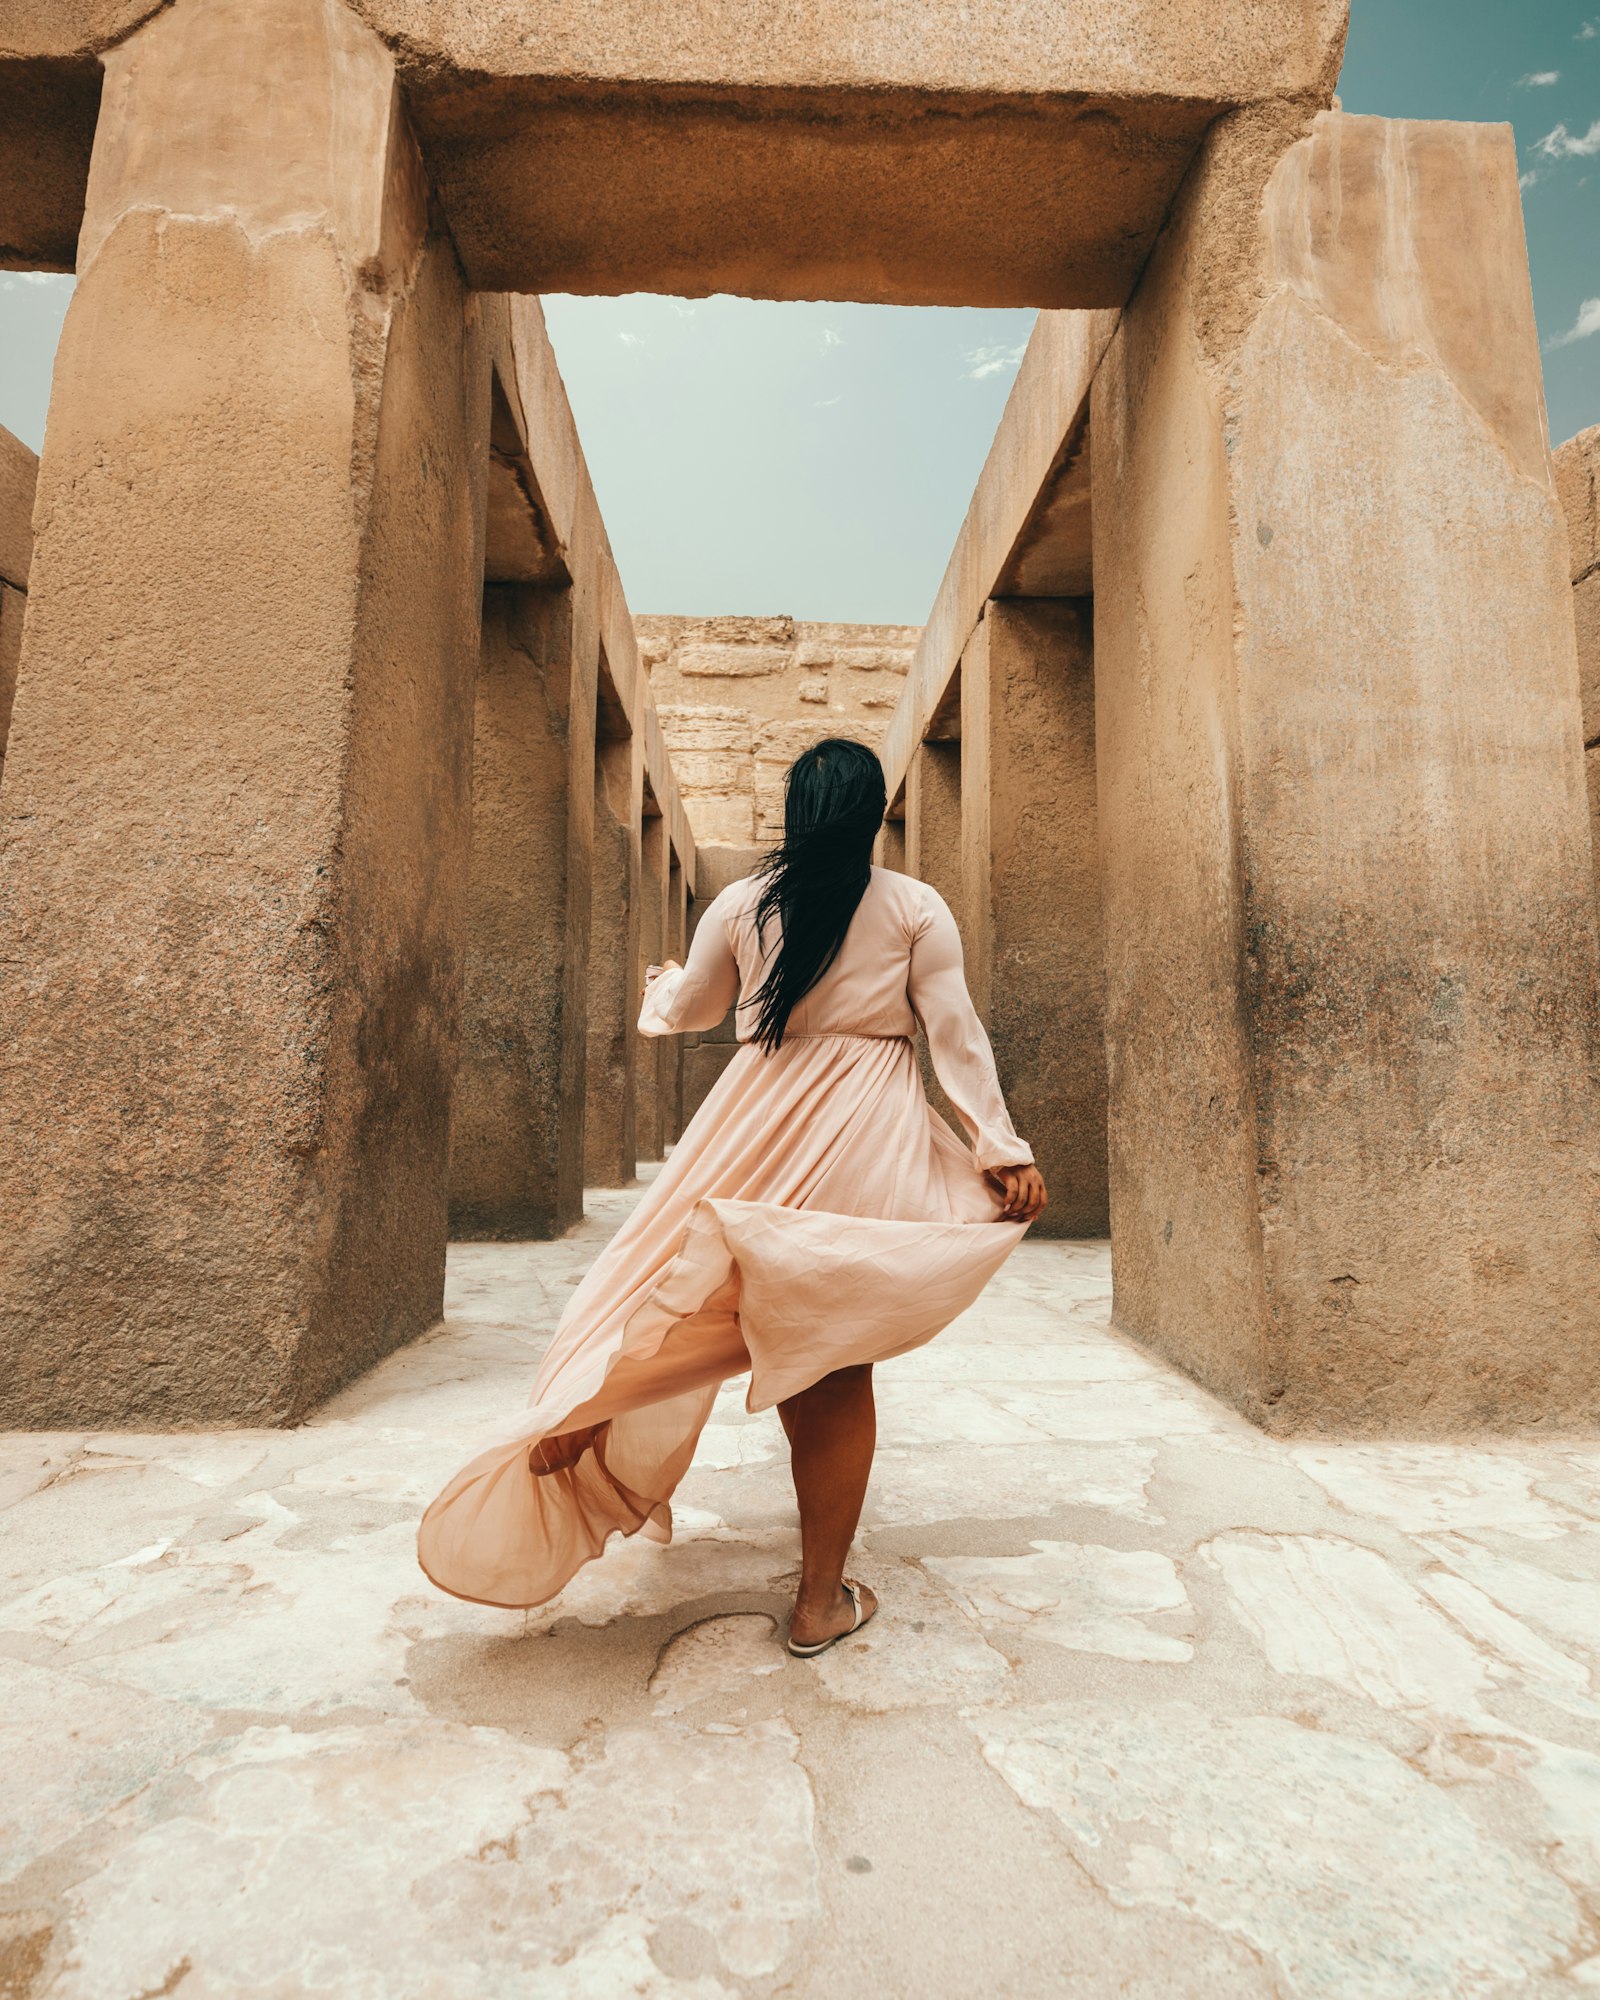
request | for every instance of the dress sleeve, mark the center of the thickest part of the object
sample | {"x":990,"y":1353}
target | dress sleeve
{"x":700,"y":993}
{"x":962,"y":1058}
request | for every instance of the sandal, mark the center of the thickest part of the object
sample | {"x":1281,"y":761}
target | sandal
{"x":822,"y":1645}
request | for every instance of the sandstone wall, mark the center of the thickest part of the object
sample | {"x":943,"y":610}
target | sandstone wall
{"x":1578,"y":482}
{"x":740,"y":698}
{"x":19,"y":474}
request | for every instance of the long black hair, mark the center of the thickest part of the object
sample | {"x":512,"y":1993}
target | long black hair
{"x":833,"y":805}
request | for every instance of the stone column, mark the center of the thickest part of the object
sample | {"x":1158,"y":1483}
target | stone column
{"x":672,"y":1045}
{"x":933,"y":855}
{"x":19,"y":472}
{"x":1032,"y":889}
{"x":610,"y":1143}
{"x":516,"y":1141}
{"x":1577,"y":466}
{"x":933,"y":820}
{"x":1351,"y":1010}
{"x":236,"y":805}
{"x":650,"y":1055}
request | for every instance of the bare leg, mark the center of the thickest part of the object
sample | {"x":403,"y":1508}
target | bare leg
{"x":832,"y":1429}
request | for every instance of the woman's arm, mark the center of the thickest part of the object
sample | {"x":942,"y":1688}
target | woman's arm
{"x":962,"y":1058}
{"x":681,"y":999}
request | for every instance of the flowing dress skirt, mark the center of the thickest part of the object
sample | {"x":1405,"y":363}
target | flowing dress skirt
{"x":817,"y":1213}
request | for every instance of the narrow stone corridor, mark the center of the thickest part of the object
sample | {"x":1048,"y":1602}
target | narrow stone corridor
{"x":1155,"y":1705}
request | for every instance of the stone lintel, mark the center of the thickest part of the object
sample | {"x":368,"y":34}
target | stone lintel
{"x":914,"y":152}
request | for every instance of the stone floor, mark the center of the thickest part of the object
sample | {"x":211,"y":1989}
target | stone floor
{"x":1155,"y":1706}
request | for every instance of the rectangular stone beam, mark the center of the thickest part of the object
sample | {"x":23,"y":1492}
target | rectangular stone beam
{"x":19,"y":475}
{"x":1030,"y":858}
{"x":235,"y":817}
{"x":912,"y":152}
{"x":1039,"y":450}
{"x":1352,"y":1004}
{"x":540,"y":442}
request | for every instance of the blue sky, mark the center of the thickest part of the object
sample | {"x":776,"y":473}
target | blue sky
{"x":817,"y":459}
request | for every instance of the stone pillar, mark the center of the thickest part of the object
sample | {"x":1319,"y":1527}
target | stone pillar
{"x":1351,"y":1007}
{"x":516,"y":1139}
{"x":610,"y":1142}
{"x":236,"y":806}
{"x":19,"y":472}
{"x":649,"y":1056}
{"x":1032,"y":888}
{"x":933,"y":820}
{"x":933,"y":855}
{"x":672,"y":1045}
{"x":1578,"y":482}
{"x":890,"y":850}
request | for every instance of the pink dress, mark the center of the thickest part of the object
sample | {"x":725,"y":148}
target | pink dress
{"x":816,"y":1213}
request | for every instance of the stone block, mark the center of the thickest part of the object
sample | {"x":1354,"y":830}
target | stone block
{"x":869,"y":691}
{"x":1352,"y":1003}
{"x":717,"y":771}
{"x":231,"y":895}
{"x":714,"y":818}
{"x":703,"y":729}
{"x":730,"y":662}
{"x":860,"y":659}
{"x":813,"y":691}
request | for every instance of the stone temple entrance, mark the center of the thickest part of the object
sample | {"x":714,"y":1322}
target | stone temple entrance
{"x":1232,"y":1644}
{"x":1244,"y":731}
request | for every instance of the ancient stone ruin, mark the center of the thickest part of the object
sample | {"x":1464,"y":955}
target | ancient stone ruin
{"x":344,"y":799}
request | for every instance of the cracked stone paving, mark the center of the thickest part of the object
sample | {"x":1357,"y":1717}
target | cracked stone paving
{"x":1155,"y":1705}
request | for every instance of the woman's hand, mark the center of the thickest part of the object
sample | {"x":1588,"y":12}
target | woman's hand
{"x":653,"y":972}
{"x":1023,"y":1188}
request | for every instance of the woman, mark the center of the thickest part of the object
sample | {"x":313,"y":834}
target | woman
{"x":816,"y":1217}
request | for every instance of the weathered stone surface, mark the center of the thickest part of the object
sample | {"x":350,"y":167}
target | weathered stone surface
{"x":614,"y":978}
{"x":19,"y":477}
{"x":1194,"y":1710}
{"x":731,"y":662}
{"x":1352,"y":1005}
{"x":810,"y":681}
{"x":1577,"y":466}
{"x":1031,"y":872}
{"x":234,"y":870}
{"x":516,"y":1133}
{"x":692,"y":730}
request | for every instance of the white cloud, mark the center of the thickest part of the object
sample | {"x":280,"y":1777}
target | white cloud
{"x":682,"y":308}
{"x":1588,"y":31}
{"x":831,"y":339}
{"x":828,"y":404}
{"x":1527,"y":180}
{"x":986,"y":361}
{"x":1586,"y":325}
{"x":1541,"y":79}
{"x":630,"y":340}
{"x":1564,"y":145}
